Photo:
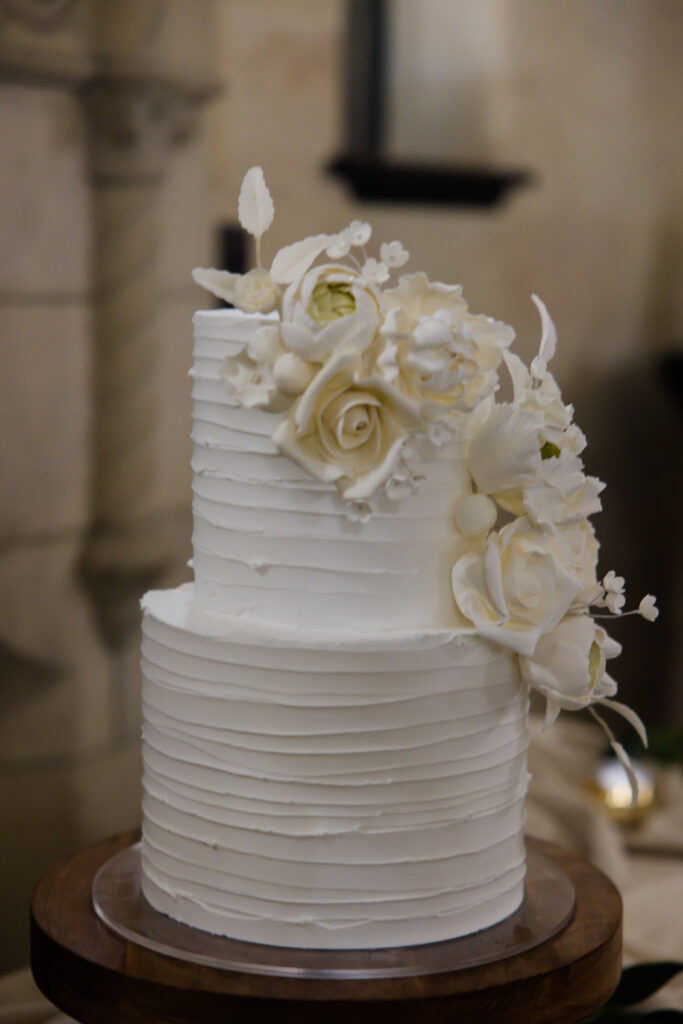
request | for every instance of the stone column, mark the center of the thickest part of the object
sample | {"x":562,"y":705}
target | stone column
{"x":132,"y":127}
{"x":138,"y":108}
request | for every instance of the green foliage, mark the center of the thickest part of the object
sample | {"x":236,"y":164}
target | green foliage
{"x":664,"y":746}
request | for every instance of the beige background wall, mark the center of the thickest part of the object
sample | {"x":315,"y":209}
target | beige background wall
{"x":69,"y":702}
{"x":580,"y":94}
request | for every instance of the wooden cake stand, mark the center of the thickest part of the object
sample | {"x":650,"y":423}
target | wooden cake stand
{"x":98,"y":977}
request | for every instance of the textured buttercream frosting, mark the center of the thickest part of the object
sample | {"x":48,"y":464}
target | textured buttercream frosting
{"x":308,"y":793}
{"x":274,"y":544}
{"x":331,"y":761}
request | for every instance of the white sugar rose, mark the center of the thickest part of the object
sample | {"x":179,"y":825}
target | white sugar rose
{"x":515,"y":590}
{"x":329,"y":309}
{"x":434,"y":350}
{"x":347,"y":429}
{"x":256,"y":292}
{"x":568,"y":665}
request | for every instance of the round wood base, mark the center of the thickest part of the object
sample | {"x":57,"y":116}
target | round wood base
{"x":100,"y":978}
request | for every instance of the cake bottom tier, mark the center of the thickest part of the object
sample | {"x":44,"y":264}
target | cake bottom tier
{"x":329,"y":792}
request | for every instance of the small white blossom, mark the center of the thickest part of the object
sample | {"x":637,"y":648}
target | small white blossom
{"x":615,"y":602}
{"x":647,"y":608}
{"x":403,"y":481}
{"x":374,"y":271}
{"x":393,"y":254}
{"x":439,"y":434}
{"x":614,"y":592}
{"x":358,"y":512}
{"x":358,"y":232}
{"x":339,"y":246}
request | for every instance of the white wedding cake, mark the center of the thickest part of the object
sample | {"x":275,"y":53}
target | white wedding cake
{"x":385,"y":559}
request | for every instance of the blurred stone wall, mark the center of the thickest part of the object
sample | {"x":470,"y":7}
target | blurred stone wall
{"x":103,"y":181}
{"x":584,"y":96}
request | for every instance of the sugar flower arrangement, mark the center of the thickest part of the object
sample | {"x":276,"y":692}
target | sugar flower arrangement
{"x":358,"y":373}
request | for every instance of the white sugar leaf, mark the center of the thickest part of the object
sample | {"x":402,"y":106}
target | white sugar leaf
{"x":619,"y":751}
{"x":629,"y":714}
{"x":627,"y":765}
{"x":294,"y":260}
{"x":549,"y":333}
{"x":255,"y":207}
{"x":218,"y":282}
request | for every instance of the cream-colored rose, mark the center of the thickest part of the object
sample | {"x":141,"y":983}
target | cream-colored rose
{"x":515,"y":590}
{"x":568,"y":665}
{"x":329,"y":309}
{"x":346,"y":428}
{"x":256,"y":292}
{"x":434,"y":350}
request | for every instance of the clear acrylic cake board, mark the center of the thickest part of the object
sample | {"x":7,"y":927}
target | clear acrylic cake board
{"x":547,"y":907}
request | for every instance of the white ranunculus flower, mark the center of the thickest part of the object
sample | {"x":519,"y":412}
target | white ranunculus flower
{"x":515,"y":590}
{"x":329,"y":309}
{"x":435,"y":350}
{"x":568,"y":665}
{"x":346,"y":428}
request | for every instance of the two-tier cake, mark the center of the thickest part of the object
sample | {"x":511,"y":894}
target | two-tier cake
{"x":385,"y":559}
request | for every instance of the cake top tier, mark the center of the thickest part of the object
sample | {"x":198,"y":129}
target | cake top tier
{"x":360,"y":384}
{"x":361,"y":368}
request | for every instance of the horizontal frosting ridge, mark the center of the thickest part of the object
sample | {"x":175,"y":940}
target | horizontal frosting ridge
{"x":306,"y":792}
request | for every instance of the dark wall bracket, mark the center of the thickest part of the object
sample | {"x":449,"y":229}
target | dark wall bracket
{"x":373,"y":179}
